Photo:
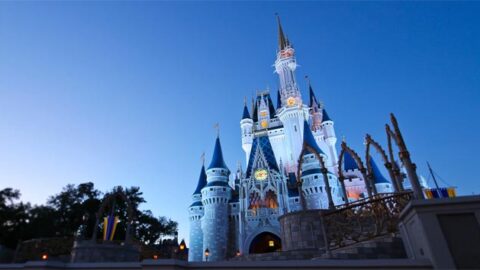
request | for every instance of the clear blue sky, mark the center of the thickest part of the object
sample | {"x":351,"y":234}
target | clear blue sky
{"x":127,"y":93}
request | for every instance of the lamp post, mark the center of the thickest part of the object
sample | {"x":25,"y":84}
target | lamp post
{"x":207,"y":252}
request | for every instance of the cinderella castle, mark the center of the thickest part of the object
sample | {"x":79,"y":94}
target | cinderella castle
{"x":240,"y":216}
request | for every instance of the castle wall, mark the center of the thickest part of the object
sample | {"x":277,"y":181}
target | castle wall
{"x":195,"y":251}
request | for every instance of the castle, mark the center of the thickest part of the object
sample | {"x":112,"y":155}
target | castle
{"x":228,"y":218}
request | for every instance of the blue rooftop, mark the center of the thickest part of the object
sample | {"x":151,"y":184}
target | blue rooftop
{"x":325,"y":116}
{"x":217,"y":159}
{"x":202,"y":181}
{"x":246,"y":114}
{"x":348,"y":162}
{"x":308,"y":138}
{"x":199,"y":203}
{"x":313,"y":99}
{"x":266,"y":148}
{"x":377,"y":175}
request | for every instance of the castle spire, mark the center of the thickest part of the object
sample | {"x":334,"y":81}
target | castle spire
{"x":217,"y":158}
{"x":282,"y":41}
{"x":308,"y":139}
{"x":202,"y":181}
{"x":325,"y":116}
{"x":313,"y":99}
{"x":246,"y":114}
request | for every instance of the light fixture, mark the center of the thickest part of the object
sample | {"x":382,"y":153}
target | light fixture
{"x":271,"y":243}
{"x":207,"y":252}
{"x":44,"y":257}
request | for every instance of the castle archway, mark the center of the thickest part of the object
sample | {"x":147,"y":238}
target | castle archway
{"x":265,"y":242}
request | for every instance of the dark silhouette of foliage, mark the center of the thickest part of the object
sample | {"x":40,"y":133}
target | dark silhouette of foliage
{"x":72,"y":212}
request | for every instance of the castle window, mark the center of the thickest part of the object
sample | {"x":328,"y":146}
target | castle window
{"x":224,"y":189}
{"x":296,"y":200}
{"x":295,"y":127}
{"x":316,"y":177}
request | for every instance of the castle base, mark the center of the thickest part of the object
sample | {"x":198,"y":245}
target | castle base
{"x":302,"y":230}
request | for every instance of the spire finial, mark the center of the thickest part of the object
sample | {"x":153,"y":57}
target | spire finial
{"x":245,"y":101}
{"x":202,"y":158}
{"x":217,"y":128}
{"x":343,"y":139}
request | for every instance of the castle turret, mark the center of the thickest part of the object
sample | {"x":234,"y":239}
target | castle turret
{"x":195,"y":212}
{"x":330,"y":138}
{"x":293,"y":111}
{"x":215,"y":197}
{"x":246,"y":125}
{"x":313,"y":183}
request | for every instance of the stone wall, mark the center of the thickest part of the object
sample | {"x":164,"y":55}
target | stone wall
{"x":445,"y":231}
{"x":88,"y":251}
{"x":302,"y":231}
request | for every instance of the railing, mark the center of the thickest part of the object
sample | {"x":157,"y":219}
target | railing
{"x":364,"y":220}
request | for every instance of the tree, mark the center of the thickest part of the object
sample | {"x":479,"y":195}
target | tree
{"x":13,"y":217}
{"x":74,"y":206}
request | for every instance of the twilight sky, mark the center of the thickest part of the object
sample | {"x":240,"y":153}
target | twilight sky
{"x":127,"y":93}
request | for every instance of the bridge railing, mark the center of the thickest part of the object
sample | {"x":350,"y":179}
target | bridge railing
{"x":365,"y":219}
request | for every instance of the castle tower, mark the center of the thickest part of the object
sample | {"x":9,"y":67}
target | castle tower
{"x":215,"y":197}
{"x":293,"y":110}
{"x":246,"y":125}
{"x":195,"y":212}
{"x":330,"y":138}
{"x":313,"y":183}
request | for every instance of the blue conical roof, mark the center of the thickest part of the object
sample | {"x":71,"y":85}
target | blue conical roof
{"x":217,"y":159}
{"x":264,"y":143}
{"x":308,"y":138}
{"x":348,"y":162}
{"x":325,"y":116}
{"x":246,"y":114}
{"x":377,"y":175}
{"x":271,"y":108}
{"x":202,"y":181}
